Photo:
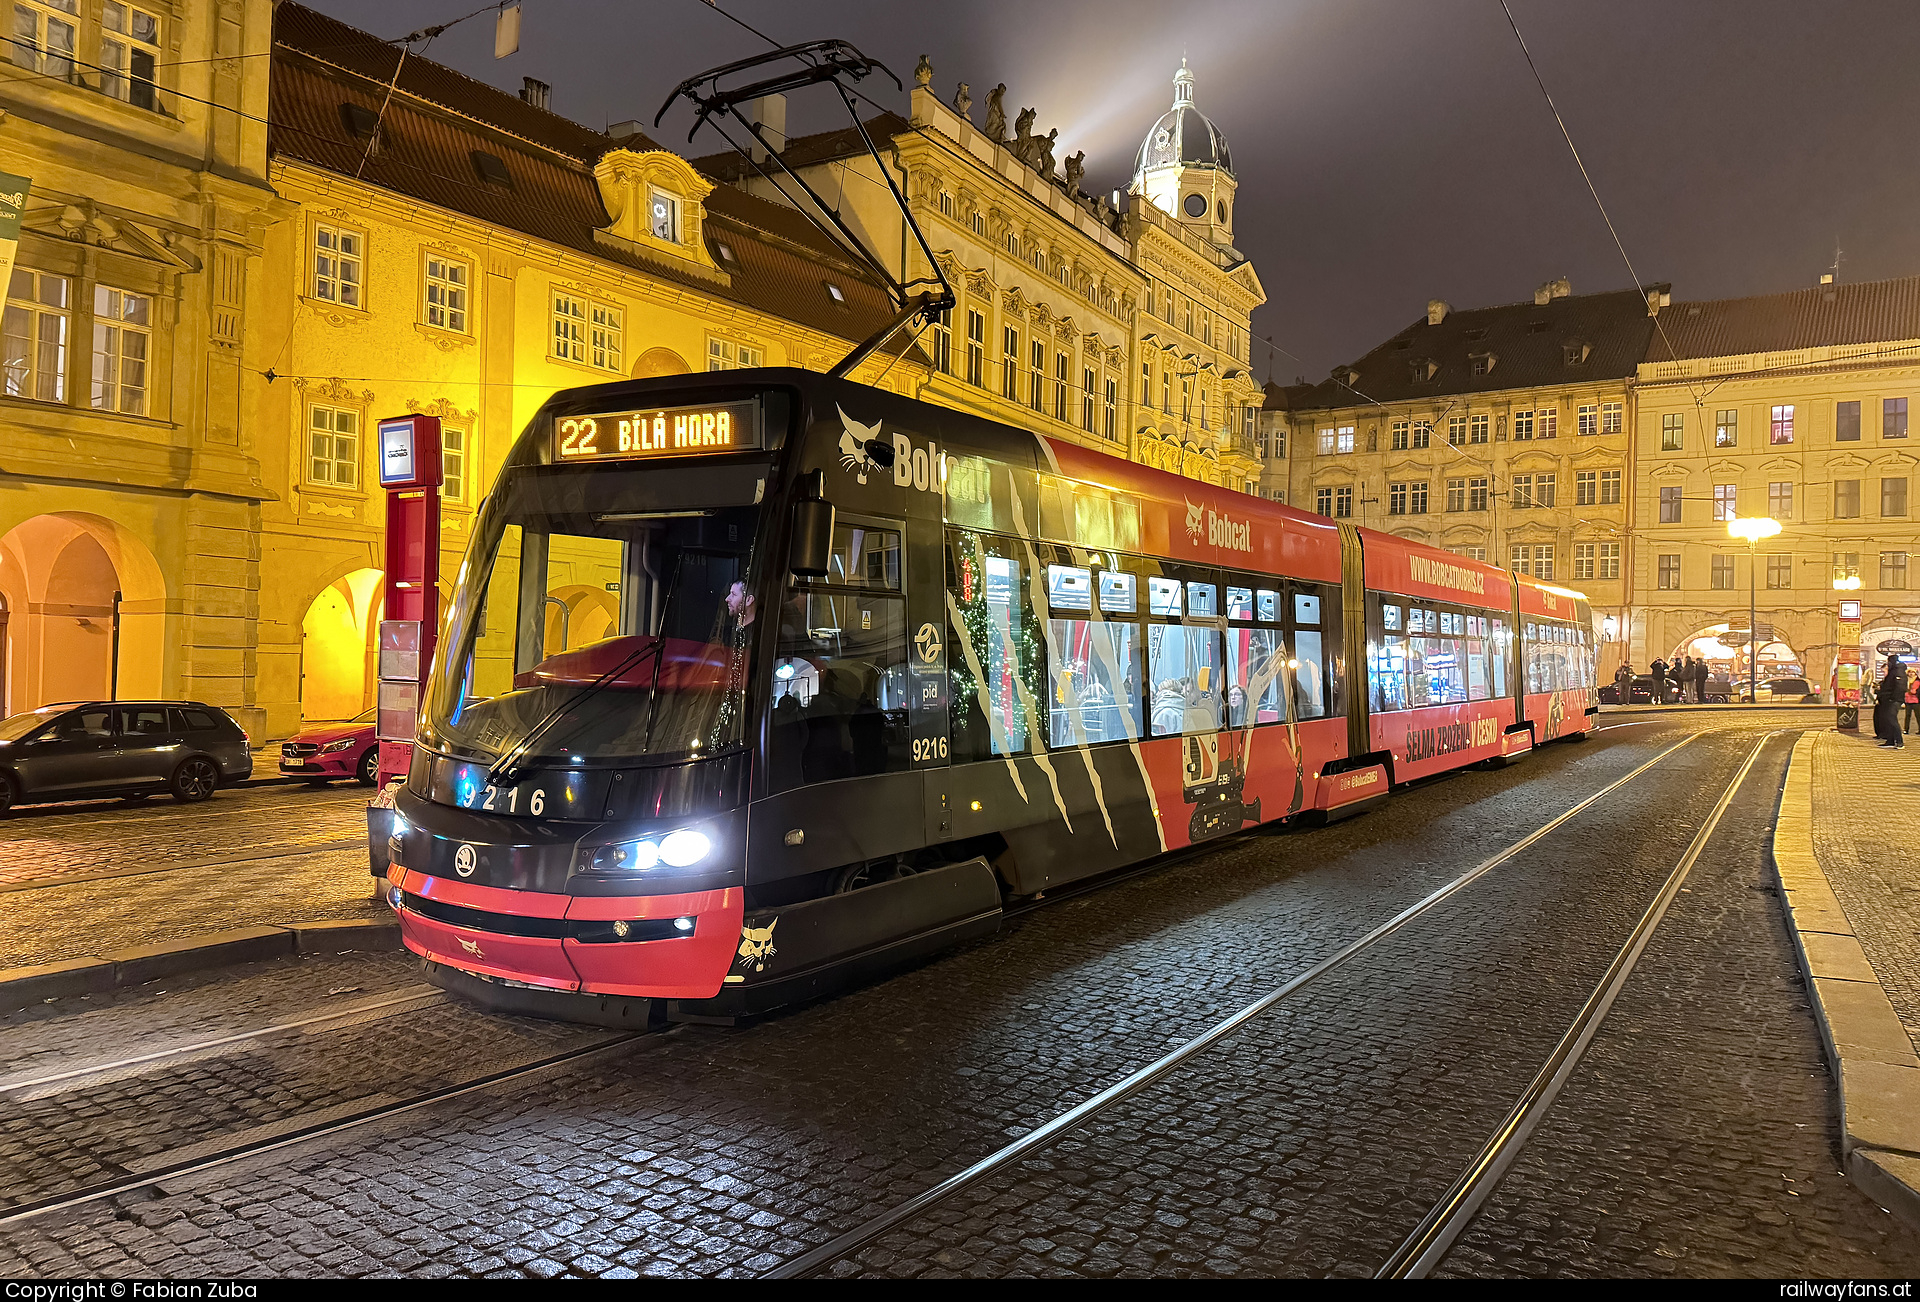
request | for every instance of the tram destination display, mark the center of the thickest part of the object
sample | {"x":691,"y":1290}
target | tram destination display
{"x":648,"y":433}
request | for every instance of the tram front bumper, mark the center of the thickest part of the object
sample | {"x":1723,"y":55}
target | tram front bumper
{"x":645,"y":946}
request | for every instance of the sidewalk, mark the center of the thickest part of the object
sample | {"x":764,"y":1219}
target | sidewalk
{"x":1844,"y":848}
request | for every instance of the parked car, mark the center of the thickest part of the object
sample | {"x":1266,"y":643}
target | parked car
{"x":79,"y":750}
{"x":1640,"y":691}
{"x":1783,"y":689}
{"x":325,"y":752}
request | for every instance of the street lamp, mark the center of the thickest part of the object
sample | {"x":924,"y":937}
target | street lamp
{"x":1753,"y":528}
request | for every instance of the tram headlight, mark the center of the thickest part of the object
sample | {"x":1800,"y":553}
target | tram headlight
{"x":626,"y":857}
{"x":685,"y":848}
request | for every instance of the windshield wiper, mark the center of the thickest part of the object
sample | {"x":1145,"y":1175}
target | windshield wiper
{"x":503,"y":766}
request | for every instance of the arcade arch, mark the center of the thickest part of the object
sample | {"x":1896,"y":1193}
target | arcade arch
{"x":339,"y":640}
{"x":85,"y":612}
{"x":1726,"y":655}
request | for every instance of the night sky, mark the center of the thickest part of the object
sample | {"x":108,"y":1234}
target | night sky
{"x":1387,"y":152}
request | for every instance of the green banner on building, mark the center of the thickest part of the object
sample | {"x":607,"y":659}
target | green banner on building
{"x":13,"y":203}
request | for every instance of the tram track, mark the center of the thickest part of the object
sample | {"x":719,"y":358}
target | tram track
{"x":1039,"y":1138}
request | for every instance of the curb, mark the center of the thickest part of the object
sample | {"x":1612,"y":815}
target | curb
{"x":1867,"y":1046}
{"x":22,"y":986}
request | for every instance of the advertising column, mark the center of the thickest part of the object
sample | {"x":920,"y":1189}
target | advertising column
{"x":1846,"y":668}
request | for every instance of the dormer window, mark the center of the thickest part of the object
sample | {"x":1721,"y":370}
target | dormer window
{"x":1401,"y":345}
{"x":724,"y":255}
{"x":1575,"y":352}
{"x":1475,"y":336}
{"x":1423,"y":369}
{"x":492,"y":169}
{"x":1536,"y":327}
{"x":835,"y":293}
{"x":1481,"y":364}
{"x":362,"y":123}
{"x":663,"y":216}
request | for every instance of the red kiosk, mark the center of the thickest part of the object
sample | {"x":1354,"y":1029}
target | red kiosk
{"x":410,"y":472}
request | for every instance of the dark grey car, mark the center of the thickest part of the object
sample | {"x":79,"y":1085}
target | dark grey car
{"x":82,"y":749}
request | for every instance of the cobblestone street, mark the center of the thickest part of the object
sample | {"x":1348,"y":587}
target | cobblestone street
{"x":1698,"y":1137}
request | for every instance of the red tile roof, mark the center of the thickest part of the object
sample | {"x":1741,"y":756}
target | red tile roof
{"x":436,"y":119}
{"x":1823,"y":316}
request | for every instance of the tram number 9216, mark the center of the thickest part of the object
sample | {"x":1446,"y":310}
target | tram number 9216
{"x":929,"y":748}
{"x":508,"y":800}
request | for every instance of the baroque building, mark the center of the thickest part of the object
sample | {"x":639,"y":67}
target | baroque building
{"x":1794,"y":406}
{"x":1500,"y":433}
{"x":129,"y":531}
{"x":1125,"y":331}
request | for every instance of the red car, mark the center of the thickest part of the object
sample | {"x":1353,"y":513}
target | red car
{"x":327,"y":751}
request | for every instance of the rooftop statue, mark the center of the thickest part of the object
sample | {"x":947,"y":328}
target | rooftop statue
{"x":1044,"y":153}
{"x":1076,"y":169}
{"x":923,"y":72}
{"x":1023,"y":136}
{"x":996,"y":113}
{"x":963,"y":102}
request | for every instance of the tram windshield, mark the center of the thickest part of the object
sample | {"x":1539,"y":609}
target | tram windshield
{"x":594,"y":623}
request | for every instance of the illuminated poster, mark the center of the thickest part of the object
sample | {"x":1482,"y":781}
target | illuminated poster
{"x":13,"y":202}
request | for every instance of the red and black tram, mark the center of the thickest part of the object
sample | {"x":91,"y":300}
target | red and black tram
{"x":758,"y":682}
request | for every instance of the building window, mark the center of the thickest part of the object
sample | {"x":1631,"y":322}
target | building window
{"x":946,"y":203}
{"x":1060,"y":364}
{"x":1401,"y":432}
{"x":1477,"y":494}
{"x":1722,"y":576}
{"x":1396,"y":499}
{"x":570,"y":328}
{"x":1323,"y":501}
{"x":1479,"y":364}
{"x":1612,"y":417}
{"x":1456,"y":431}
{"x":1669,"y":571}
{"x":1112,"y":418}
{"x":1725,"y":502}
{"x":663,"y":216}
{"x":1536,"y":560}
{"x":976,"y":347}
{"x":333,"y":447}
{"x":1846,"y":423}
{"x":1146,"y":384}
{"x":1583,"y":560}
{"x":337,"y":254}
{"x":1779,"y":571}
{"x":1846,"y":499}
{"x":1203,"y":409}
{"x":1476,"y":429}
{"x":1893,"y":418}
{"x":1088,"y":381}
{"x":1010,"y":363}
{"x":1586,"y":489}
{"x":1893,"y":497}
{"x":1780,"y":500}
{"x":1893,"y":569}
{"x":1423,"y":434}
{"x":1609,"y":560}
{"x":1343,"y":502}
{"x":129,"y":46}
{"x":120,"y":339}
{"x":726,"y":355}
{"x":1344,"y":444}
{"x":1543,"y":490}
{"x":1846,"y":565}
{"x":1522,"y":492}
{"x":979,"y":222}
{"x":1522,"y":425}
{"x":1326,"y":443}
{"x":1013,"y":244}
{"x":1782,"y":426}
{"x":1547,"y":423}
{"x":1417,"y":499}
{"x":943,"y":342}
{"x":1609,"y":488}
{"x":1456,"y":494}
{"x":453,"y":464}
{"x":35,"y":333}
{"x":1037,"y":375}
{"x":1670,"y":505}
{"x":1670,"y":431}
{"x":446,"y":294}
{"x":1588,"y":417}
{"x":1166,"y":390}
{"x":43,"y":41}
{"x":606,"y":339}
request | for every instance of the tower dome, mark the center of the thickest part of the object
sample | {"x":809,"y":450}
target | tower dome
{"x":1184,"y":136}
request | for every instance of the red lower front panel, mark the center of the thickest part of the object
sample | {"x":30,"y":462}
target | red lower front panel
{"x":1435,"y":738}
{"x":690,"y":968}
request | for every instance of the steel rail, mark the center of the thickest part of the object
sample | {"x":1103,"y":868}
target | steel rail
{"x":1434,"y":1236}
{"x":241,"y":1152}
{"x":343,"y":1013}
{"x":1041,"y":1136}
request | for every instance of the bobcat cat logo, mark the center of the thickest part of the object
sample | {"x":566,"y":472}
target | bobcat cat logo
{"x":853,"y":445}
{"x":1195,"y":520}
{"x":756,"y":945}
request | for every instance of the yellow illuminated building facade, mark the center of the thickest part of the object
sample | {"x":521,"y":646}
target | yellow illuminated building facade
{"x":1794,"y":406}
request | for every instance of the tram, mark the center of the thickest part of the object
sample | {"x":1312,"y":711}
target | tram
{"x":760,"y":682}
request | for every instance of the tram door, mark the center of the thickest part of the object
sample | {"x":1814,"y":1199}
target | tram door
{"x":927,"y":681}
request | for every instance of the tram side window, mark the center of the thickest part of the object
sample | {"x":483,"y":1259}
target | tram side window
{"x":1311,"y":680}
{"x":839,"y":687}
{"x":1070,"y":587}
{"x":1476,"y":643}
{"x":1118,"y":593}
{"x":1096,"y":681}
{"x":1498,"y":645}
{"x":1389,"y":670}
{"x":1186,"y":674}
{"x":995,"y":659}
{"x":1256,"y":670}
{"x":1267,"y":604}
{"x":864,"y":557}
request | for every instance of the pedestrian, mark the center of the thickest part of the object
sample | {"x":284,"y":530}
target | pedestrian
{"x":1659,"y":671}
{"x":1889,"y":695}
{"x":1623,"y":683}
{"x":1686,"y":682}
{"x":1912,"y":722}
{"x":1700,"y":676}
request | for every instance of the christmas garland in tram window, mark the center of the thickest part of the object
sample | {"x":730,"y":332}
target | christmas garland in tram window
{"x":969,"y":587}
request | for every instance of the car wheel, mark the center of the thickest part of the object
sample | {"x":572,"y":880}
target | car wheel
{"x":370,"y":765}
{"x":7,"y":795}
{"x":195,"y":780}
